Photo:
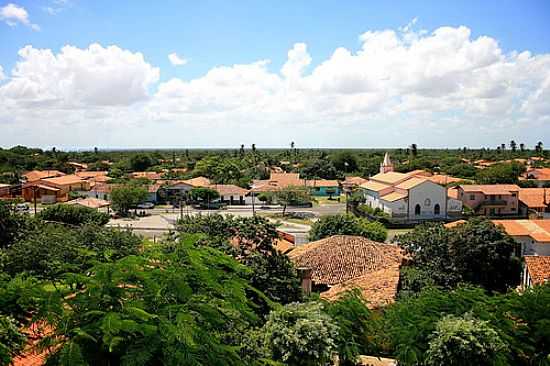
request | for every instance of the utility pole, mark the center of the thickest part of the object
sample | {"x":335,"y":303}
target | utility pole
{"x":34,"y":198}
{"x":253,"y":208}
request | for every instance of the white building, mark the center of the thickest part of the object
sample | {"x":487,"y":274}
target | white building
{"x":407,"y":197}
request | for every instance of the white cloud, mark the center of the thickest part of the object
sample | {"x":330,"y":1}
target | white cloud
{"x":434,"y":88}
{"x":2,"y":76}
{"x":177,"y":60}
{"x":57,"y":6}
{"x":77,"y":78}
{"x":13,"y":14}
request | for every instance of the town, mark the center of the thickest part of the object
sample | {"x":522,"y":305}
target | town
{"x":377,"y":227}
{"x":274,"y":183}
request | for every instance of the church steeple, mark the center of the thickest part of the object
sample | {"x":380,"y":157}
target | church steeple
{"x":386,"y":166}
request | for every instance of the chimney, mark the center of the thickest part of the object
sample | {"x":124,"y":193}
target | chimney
{"x":305,"y":275}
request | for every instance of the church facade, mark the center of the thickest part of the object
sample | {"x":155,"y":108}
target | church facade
{"x":407,"y":197}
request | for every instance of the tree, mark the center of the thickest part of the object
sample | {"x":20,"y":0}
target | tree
{"x":522,"y":147}
{"x":465,"y":341}
{"x":292,"y":195}
{"x":414,"y":151}
{"x":12,"y":225}
{"x":476,"y":252}
{"x":204,"y":194}
{"x":140,"y":162}
{"x":126,"y":197}
{"x":345,"y":161}
{"x":172,"y":305}
{"x":502,"y":173}
{"x":11,"y":340}
{"x":347,"y":225}
{"x":539,"y":148}
{"x":513,"y":146}
{"x":319,"y":168}
{"x":300,"y":335}
{"x":74,"y":215}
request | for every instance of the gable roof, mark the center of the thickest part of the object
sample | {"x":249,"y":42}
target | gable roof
{"x":89,"y":202}
{"x":85,"y":174}
{"x":535,"y":197}
{"x":341,"y":258}
{"x":504,"y":189}
{"x":411,"y":183}
{"x":538,"y":230}
{"x":390,"y":177}
{"x":198,"y":182}
{"x":538,"y":268}
{"x":374,"y":186}
{"x":41,"y":174}
{"x":229,"y":190}
{"x":394,"y":196}
{"x":64,"y":180}
{"x":538,"y":174}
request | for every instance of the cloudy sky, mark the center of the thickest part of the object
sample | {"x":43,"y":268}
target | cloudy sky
{"x":79,"y":74}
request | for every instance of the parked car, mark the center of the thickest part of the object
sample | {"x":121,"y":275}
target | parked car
{"x":146,"y":205}
{"x":22,"y":207}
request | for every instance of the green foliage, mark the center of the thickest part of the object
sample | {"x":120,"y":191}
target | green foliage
{"x":126,"y":197}
{"x":345,"y":161}
{"x":74,"y":215}
{"x":292,"y":195}
{"x":52,"y":250}
{"x":141,"y":162}
{"x":501,"y":173}
{"x":181,"y":305}
{"x":11,"y":340}
{"x":347,"y":225}
{"x":12,"y":225}
{"x":300,"y":335}
{"x":319,"y":168}
{"x":465,"y":341}
{"x":476,"y":252}
{"x":204,"y":194}
{"x":353,"y":318}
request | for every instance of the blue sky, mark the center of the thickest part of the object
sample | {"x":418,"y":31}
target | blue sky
{"x":209,"y":34}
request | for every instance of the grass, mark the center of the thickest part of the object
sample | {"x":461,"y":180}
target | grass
{"x":392,"y":233}
{"x":327,"y":201}
{"x":287,"y":218}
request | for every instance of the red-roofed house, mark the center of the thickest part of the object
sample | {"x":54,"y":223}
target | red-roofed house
{"x":491,"y":200}
{"x":536,"y":271}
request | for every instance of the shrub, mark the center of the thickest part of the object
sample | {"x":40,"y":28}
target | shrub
{"x":347,"y":225}
{"x":74,"y":215}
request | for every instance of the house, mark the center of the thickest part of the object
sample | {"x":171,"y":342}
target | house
{"x":101,"y":191}
{"x":52,"y":190}
{"x":277,"y":181}
{"x":231,"y":194}
{"x":35,"y":175}
{"x":146,"y":175}
{"x":536,"y":271}
{"x":376,"y":361}
{"x":408,"y":197}
{"x":491,"y":200}
{"x":90,"y":202}
{"x":198,"y":182}
{"x":541,"y":176}
{"x":78,"y":166}
{"x":92,"y":175}
{"x":533,"y":235}
{"x":342,"y":262}
{"x":535,"y":202}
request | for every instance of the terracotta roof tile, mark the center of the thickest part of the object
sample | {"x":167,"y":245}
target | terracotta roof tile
{"x":411,"y":183}
{"x":229,"y":190}
{"x":375,"y":186}
{"x":503,"y":189}
{"x":64,"y":180}
{"x":41,"y":174}
{"x":390,"y":178}
{"x":538,"y":268}
{"x":341,"y":258}
{"x":534,"y":197}
{"x":394,"y":196}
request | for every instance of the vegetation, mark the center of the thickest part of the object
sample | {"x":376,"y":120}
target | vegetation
{"x":477,"y":252}
{"x":127,"y":197}
{"x":74,"y":215}
{"x":347,"y":225}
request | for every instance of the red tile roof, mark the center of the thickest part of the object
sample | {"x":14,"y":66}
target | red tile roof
{"x":41,"y":174}
{"x":503,"y":189}
{"x":538,"y":268}
{"x":534,"y":197}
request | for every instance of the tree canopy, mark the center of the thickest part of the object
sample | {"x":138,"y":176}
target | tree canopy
{"x":347,"y":225}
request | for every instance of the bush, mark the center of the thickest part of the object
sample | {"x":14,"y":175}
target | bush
{"x":300,"y":335}
{"x":347,"y":225}
{"x":465,"y":341}
{"x":74,"y":215}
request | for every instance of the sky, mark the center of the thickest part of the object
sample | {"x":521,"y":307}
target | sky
{"x":358,"y":74}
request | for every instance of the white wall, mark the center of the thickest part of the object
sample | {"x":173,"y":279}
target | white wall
{"x":435,"y":193}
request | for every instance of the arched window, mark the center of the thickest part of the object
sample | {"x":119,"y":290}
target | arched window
{"x":427,"y":202}
{"x":417,"y":209}
{"x":437,"y":209}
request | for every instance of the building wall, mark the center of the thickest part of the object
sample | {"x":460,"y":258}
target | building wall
{"x":396,"y":208}
{"x":475,"y":199}
{"x":323,"y":191}
{"x":427,"y":195}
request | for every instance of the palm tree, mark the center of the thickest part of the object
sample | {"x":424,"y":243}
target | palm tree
{"x":502,"y":147}
{"x":538,"y":147}
{"x":254,"y":153}
{"x":414,"y":150}
{"x":513,"y":146}
{"x":522,"y":147}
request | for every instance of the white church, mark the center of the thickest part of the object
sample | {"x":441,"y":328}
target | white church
{"x":408,"y":197}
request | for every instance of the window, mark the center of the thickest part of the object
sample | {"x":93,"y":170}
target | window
{"x":417,"y":209}
{"x":427,"y":202}
{"x":437,"y":209}
{"x":472,"y":197}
